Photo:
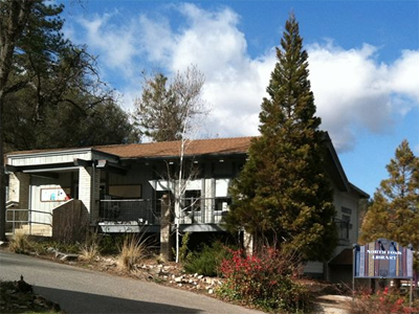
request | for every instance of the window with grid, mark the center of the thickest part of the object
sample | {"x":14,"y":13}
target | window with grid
{"x":192,"y":200}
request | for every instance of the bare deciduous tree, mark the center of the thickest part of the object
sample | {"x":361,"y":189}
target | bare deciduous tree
{"x":174,"y":112}
{"x":170,"y":111}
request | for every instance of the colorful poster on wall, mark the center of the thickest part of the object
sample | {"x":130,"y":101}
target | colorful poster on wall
{"x":383,"y":259}
{"x":53,"y":195}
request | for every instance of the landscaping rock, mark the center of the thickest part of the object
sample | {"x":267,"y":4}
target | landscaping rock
{"x":68,"y":257}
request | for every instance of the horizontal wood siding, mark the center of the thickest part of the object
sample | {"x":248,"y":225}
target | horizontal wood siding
{"x":47,"y":159}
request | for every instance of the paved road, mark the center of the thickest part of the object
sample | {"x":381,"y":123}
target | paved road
{"x":84,"y":291}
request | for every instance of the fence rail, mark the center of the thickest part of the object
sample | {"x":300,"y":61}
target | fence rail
{"x":193,"y":210}
{"x":29,"y":221}
{"x":143,"y":211}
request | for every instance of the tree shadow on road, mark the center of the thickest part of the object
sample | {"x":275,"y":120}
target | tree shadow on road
{"x":80,"y":302}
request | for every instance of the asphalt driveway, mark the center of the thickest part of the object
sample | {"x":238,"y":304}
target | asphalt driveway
{"x":84,"y":291}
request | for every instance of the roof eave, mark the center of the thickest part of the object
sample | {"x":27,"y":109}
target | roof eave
{"x":357,"y":190}
{"x":336,"y":162}
{"x":200,"y":156}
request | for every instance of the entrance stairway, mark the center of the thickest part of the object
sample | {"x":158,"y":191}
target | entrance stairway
{"x":34,"y":230}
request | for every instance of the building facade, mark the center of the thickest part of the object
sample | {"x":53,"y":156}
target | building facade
{"x":132,"y":188}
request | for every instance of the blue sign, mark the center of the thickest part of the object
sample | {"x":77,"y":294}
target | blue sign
{"x":383,"y":259}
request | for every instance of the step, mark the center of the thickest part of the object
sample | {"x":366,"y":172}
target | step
{"x":36,"y":230}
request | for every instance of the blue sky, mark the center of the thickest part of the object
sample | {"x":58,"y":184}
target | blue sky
{"x":363,"y":61}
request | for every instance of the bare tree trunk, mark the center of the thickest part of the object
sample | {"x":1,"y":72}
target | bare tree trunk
{"x":180,"y":191}
{"x":2,"y":177}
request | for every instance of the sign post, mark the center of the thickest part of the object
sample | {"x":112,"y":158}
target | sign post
{"x":383,"y":259}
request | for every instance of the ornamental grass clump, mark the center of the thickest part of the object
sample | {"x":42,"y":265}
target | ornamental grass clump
{"x":21,"y":243}
{"x":132,"y":251}
{"x":266,"y":280}
{"x":90,"y":249}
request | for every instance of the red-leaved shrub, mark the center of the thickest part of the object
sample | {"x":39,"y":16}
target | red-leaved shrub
{"x":266,"y":280}
{"x":382,"y":302}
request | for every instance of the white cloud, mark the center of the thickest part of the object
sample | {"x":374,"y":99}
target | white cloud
{"x":404,"y":75}
{"x":115,"y":44}
{"x":156,"y":39}
{"x":234,"y":83}
{"x":353,"y":92}
{"x":349,"y":88}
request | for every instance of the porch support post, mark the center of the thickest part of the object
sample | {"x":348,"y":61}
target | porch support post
{"x":89,"y":190}
{"x":96,"y":195}
{"x":19,"y":188}
{"x":209,"y":200}
{"x":166,"y":240}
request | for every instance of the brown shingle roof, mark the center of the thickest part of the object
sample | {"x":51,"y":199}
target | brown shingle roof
{"x":169,"y":149}
{"x":234,"y":145}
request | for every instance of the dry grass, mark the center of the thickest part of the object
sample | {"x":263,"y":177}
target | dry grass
{"x":21,"y":243}
{"x":133,"y":250}
{"x":90,"y":250}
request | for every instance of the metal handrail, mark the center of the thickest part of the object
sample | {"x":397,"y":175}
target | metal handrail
{"x":128,"y":210}
{"x":194,"y":210}
{"x":28,"y":219}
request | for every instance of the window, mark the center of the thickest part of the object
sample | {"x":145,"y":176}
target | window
{"x":192,"y":200}
{"x":125,"y":191}
{"x":343,"y":226}
{"x":347,"y":219}
{"x":343,"y":231}
{"x":222,"y":203}
{"x":346,"y":210}
{"x":221,"y":187}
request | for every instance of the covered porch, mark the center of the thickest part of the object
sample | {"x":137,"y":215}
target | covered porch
{"x":103,"y":193}
{"x":42,"y":183}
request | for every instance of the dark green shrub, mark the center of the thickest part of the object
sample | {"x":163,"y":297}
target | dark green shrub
{"x":206,"y":261}
{"x":110,"y":244}
{"x":64,"y":247}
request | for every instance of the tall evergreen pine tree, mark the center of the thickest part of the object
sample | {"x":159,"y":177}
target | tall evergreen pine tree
{"x":394,"y":213}
{"x":283,"y":194}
